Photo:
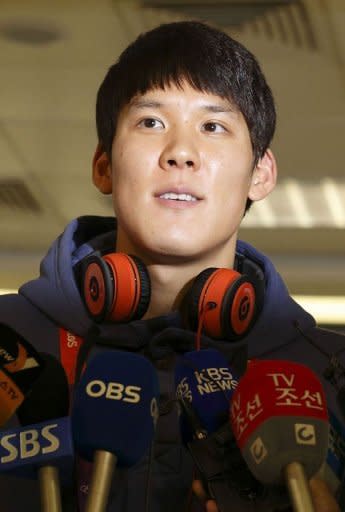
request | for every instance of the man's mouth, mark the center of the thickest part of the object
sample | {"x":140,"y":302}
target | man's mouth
{"x":178,"y":197}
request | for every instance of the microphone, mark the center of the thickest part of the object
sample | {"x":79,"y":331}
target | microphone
{"x":279,"y":418}
{"x":117,"y":393}
{"x":49,"y":399}
{"x":49,"y":396}
{"x":43,"y":449}
{"x":20,"y":367}
{"x":204,"y":385}
{"x":24,"y":452}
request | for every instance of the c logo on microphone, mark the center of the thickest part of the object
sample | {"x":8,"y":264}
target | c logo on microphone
{"x":305,"y":433}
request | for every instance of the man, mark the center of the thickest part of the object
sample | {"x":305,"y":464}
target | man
{"x":185,"y":119}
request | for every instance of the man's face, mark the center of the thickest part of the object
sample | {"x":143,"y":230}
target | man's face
{"x":181,"y":172}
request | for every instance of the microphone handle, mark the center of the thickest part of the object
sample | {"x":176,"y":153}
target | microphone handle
{"x":48,"y":477}
{"x":102,"y":473}
{"x":299,"y":489}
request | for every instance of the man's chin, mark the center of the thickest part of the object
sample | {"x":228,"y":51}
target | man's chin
{"x":177,"y":254}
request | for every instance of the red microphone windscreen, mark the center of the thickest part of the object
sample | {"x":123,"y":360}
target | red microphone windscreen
{"x":278,"y":414}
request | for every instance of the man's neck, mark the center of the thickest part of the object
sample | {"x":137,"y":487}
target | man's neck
{"x":169,"y":283}
{"x":171,"y":276}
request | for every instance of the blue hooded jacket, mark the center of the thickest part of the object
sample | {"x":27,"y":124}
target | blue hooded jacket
{"x":53,"y":301}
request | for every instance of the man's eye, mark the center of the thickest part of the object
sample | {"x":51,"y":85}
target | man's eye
{"x":213,"y":127}
{"x":150,"y":122}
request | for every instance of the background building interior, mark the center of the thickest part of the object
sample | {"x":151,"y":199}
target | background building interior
{"x":53,"y":55}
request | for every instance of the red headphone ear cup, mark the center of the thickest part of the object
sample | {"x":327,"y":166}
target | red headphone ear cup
{"x":116,"y":287}
{"x":238,"y":308}
{"x":97,"y":287}
{"x":190,"y":303}
{"x":225,"y":300}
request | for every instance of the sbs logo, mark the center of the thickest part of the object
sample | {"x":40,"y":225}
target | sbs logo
{"x":28,"y":443}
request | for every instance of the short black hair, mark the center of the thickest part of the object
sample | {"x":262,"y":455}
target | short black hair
{"x":203,"y":56}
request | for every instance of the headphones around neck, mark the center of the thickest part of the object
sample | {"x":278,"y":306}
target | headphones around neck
{"x":116,"y":288}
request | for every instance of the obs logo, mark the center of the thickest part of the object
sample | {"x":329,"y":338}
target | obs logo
{"x":113,"y":391}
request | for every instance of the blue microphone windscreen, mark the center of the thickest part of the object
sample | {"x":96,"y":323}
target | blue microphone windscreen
{"x":24,"y":450}
{"x":205,"y":380}
{"x":116,"y":407}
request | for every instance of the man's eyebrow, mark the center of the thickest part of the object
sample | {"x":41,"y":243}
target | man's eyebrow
{"x":142,"y":103}
{"x":219,"y":108}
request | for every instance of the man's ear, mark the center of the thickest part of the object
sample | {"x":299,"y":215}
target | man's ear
{"x":101,"y":170}
{"x":264,"y":177}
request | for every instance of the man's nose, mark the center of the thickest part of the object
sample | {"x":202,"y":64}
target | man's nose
{"x":180,"y":152}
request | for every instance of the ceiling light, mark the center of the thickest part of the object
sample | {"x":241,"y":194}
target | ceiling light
{"x":334,"y":201}
{"x":30,"y":32}
{"x":325,"y":309}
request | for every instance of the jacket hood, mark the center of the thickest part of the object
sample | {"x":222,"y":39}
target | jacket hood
{"x":55,"y":292}
{"x":281,"y":316}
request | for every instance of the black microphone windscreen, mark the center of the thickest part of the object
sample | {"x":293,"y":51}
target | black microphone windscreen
{"x":49,"y":397}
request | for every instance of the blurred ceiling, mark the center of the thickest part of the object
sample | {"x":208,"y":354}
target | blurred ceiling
{"x":53,"y":55}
